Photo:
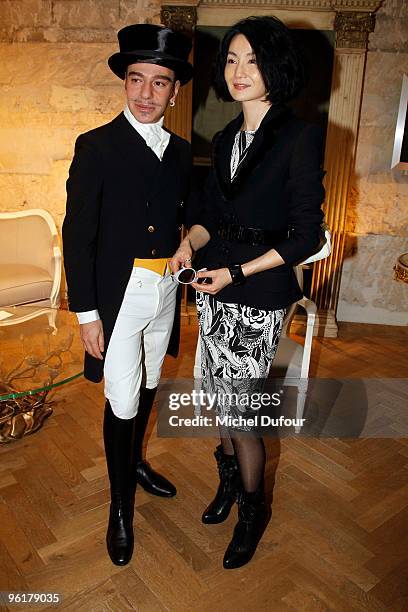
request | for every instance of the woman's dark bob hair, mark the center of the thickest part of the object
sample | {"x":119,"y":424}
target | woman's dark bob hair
{"x":278,"y":57}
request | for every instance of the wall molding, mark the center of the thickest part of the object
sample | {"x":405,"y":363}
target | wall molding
{"x":328,"y":5}
{"x":181,"y":18}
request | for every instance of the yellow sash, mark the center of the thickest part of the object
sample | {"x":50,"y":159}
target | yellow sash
{"x":155,"y":265}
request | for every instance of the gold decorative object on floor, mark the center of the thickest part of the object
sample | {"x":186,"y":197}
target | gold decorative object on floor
{"x":19,"y":417}
{"x":36,"y":357}
{"x":401,"y":268}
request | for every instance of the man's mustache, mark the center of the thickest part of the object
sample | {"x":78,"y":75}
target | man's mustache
{"x":143,"y":103}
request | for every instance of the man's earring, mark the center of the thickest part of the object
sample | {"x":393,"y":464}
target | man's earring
{"x":172,"y":103}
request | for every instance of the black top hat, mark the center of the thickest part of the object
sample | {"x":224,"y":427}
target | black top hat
{"x":151,"y":42}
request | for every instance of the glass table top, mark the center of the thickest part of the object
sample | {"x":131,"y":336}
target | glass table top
{"x":39,"y":350}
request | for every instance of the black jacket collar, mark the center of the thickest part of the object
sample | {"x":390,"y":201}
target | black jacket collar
{"x":126,"y":133}
{"x":264,"y":139}
{"x":139,"y":159}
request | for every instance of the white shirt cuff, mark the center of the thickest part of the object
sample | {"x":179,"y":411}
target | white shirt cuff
{"x":88,"y":316}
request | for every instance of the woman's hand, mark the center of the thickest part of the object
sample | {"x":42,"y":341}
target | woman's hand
{"x":182,"y":257}
{"x":219,"y":279}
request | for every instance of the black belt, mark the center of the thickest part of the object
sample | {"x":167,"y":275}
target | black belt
{"x":249,"y":235}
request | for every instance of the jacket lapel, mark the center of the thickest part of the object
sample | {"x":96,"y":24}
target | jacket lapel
{"x":263,"y":141}
{"x":221,"y":154}
{"x":166,"y":170}
{"x":138,"y":159}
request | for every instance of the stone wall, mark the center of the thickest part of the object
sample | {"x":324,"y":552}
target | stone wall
{"x":55,"y":84}
{"x":378,"y":209}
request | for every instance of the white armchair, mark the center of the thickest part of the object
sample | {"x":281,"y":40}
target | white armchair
{"x":30,"y":259}
{"x":292,"y":360}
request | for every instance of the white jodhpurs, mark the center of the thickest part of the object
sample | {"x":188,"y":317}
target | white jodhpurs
{"x":139,"y":339}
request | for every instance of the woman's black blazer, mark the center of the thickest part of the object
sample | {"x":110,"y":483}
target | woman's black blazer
{"x":277,"y":187}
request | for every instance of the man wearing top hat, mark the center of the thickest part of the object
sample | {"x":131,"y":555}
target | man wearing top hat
{"x":126,"y":187}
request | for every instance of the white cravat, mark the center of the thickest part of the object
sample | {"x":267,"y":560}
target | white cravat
{"x":157,"y":139}
{"x":153,"y":134}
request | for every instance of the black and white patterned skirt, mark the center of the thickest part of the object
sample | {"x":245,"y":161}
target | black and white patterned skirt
{"x":238,"y":344}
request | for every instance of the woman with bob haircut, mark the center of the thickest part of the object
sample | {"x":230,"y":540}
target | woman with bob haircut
{"x":260,"y":214}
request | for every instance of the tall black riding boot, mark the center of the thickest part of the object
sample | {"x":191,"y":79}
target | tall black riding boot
{"x":150,"y":480}
{"x":253,"y":517}
{"x":219,"y":509}
{"x":118,"y":438}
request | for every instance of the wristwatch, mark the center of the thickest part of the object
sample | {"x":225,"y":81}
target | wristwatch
{"x":237,"y":275}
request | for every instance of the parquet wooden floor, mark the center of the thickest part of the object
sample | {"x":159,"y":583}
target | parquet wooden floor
{"x":338,"y":538}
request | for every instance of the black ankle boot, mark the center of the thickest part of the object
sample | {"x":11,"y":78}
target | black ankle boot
{"x":253,"y":517}
{"x":150,"y":480}
{"x":118,"y":439}
{"x":219,"y":509}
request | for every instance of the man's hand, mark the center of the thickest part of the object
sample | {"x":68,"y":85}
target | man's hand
{"x":182,"y":257}
{"x":92,"y":338}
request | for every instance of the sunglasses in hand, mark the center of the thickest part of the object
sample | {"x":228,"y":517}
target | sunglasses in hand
{"x":186,"y":276}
